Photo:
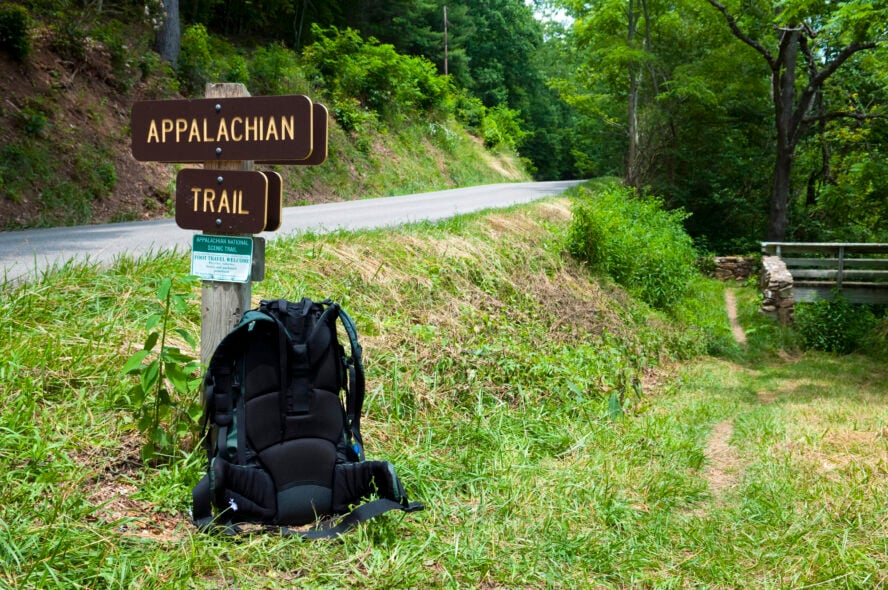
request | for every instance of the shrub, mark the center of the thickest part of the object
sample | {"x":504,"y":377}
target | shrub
{"x":833,"y":325}
{"x":634,"y":241}
{"x":195,"y":60}
{"x":158,"y":75}
{"x":274,"y":71}
{"x":15,"y":30}
{"x":204,"y":59}
{"x":501,"y":127}
{"x":69,"y":40}
{"x":379,"y":78}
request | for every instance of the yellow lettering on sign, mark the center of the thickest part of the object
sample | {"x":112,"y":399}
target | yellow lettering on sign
{"x":152,"y":132}
{"x":181,"y":127}
{"x":272,"y":130}
{"x":195,"y":193}
{"x":223,"y":202}
{"x":209,"y":200}
{"x":235,"y":123}
{"x":288,"y":128}
{"x":206,"y":136}
{"x":250,"y":128}
{"x":239,"y":200}
{"x":166,"y":126}
{"x":193,"y":131}
{"x":222,"y":132}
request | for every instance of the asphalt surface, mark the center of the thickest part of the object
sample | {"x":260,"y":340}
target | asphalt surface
{"x":29,"y":253}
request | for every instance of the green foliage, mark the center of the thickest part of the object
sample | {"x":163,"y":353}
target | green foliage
{"x":94,"y":171}
{"x":494,"y":365}
{"x":204,"y":58}
{"x":833,"y":325}
{"x":15,"y":30}
{"x":349,"y":68}
{"x":69,"y":39}
{"x":195,"y":62}
{"x":501,"y":127}
{"x":116,"y":38}
{"x":158,"y":76}
{"x":634,"y":241}
{"x":163,"y":399}
{"x":33,"y":118}
{"x":21,"y":163}
{"x":274,"y":70}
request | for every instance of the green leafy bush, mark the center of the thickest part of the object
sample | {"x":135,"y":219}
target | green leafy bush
{"x":274,"y":71}
{"x":163,"y":398}
{"x":158,"y":75}
{"x":69,"y":40}
{"x":634,"y":241}
{"x":501,"y":126}
{"x":833,"y":325}
{"x":204,"y":58}
{"x":15,"y":30}
{"x":195,"y":60}
{"x":380,"y":79}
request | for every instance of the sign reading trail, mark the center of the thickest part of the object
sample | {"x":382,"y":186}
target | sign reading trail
{"x":267,"y":128}
{"x":222,"y":201}
{"x":222,"y":258}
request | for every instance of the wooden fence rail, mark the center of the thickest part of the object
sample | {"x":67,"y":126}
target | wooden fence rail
{"x":858,"y":271}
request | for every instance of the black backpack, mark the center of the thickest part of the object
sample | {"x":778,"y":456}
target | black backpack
{"x":283,"y":448}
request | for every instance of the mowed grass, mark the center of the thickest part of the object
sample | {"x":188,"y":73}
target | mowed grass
{"x":560,"y":433}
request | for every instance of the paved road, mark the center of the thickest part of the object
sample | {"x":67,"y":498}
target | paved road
{"x":26,"y":253}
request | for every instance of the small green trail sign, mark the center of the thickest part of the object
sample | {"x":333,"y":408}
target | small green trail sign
{"x":222,"y":258}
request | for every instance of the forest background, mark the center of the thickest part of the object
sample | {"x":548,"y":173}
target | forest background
{"x":759,"y":119}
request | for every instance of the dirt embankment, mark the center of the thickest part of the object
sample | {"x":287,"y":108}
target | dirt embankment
{"x":60,"y":119}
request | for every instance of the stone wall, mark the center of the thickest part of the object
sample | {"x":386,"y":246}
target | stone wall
{"x":735,"y":268}
{"x":775,"y":283}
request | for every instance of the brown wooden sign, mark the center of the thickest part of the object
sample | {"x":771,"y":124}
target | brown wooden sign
{"x":320,"y":138}
{"x":266,"y":128}
{"x":275,"y":212}
{"x":222,"y":201}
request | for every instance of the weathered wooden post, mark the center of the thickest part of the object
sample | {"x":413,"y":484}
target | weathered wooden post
{"x":223,"y":303}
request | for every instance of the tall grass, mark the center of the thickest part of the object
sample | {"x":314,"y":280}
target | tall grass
{"x":635,"y":241}
{"x":494,"y":361}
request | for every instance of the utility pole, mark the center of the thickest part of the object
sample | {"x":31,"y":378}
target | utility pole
{"x":445,"y":40}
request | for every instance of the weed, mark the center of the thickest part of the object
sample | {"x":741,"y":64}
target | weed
{"x":163,"y":398}
{"x":635,"y":241}
{"x":834,"y":324}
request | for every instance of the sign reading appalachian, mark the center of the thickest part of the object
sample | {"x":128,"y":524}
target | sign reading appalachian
{"x":267,"y":128}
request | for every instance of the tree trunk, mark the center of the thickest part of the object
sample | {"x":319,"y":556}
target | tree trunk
{"x":783,"y":79}
{"x":632,"y":108}
{"x":168,"y":41}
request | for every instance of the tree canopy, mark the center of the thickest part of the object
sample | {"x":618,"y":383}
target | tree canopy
{"x":761,"y":119}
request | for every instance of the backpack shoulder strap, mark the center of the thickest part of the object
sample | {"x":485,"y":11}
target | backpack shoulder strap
{"x":356,"y":382}
{"x":218,"y":406}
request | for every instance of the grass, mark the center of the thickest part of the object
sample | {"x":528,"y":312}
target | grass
{"x":494,"y":361}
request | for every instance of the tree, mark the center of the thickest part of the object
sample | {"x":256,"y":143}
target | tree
{"x":168,"y":40}
{"x":821,"y":37}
